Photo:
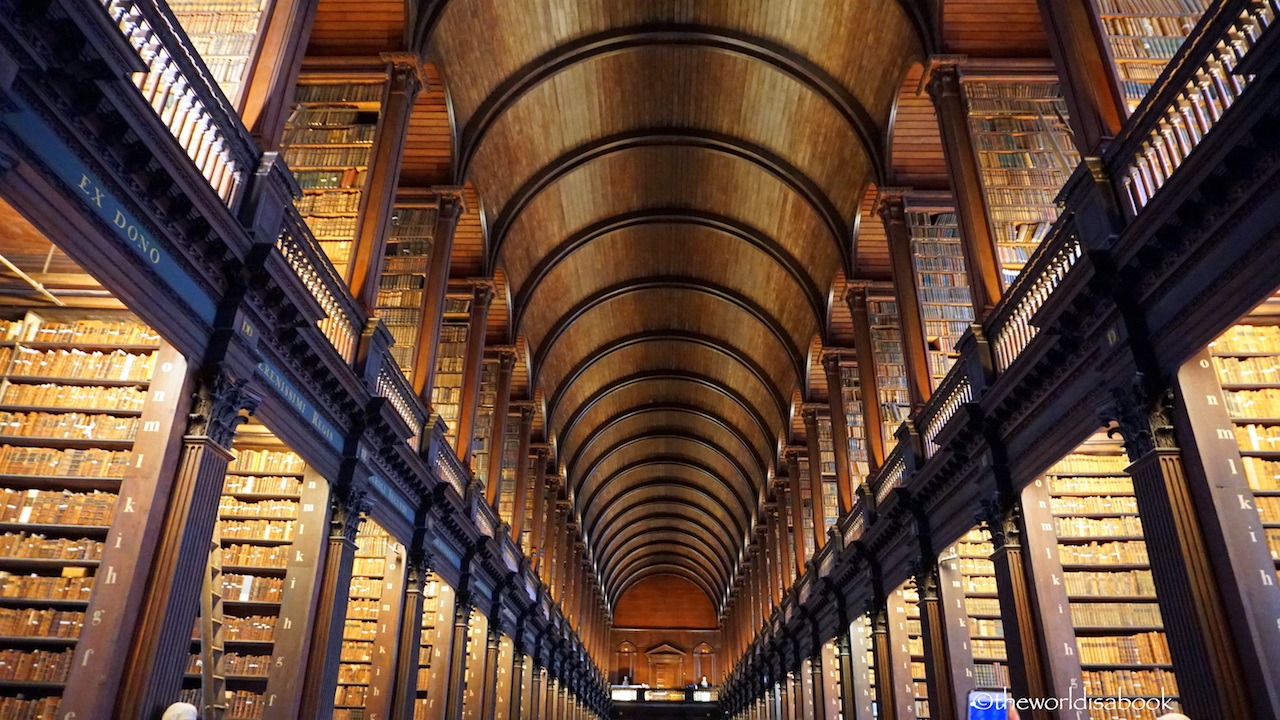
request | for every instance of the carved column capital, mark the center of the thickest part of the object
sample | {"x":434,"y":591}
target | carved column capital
{"x":348,"y":503}
{"x":1142,"y":418}
{"x":944,"y":77}
{"x":1001,"y":520}
{"x":218,"y":402}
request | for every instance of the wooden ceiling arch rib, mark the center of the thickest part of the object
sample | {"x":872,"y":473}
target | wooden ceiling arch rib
{"x":659,"y":569}
{"x":622,"y":541}
{"x":652,"y":376}
{"x":716,"y":420}
{"x":664,"y":216}
{"x":639,"y":515}
{"x":676,"y":187}
{"x":672,"y":564}
{"x":784,"y":59}
{"x":616,"y":481}
{"x":655,"y":336}
{"x":662,"y":543}
{"x":695,"y":492}
{"x":658,"y":540}
{"x":575,"y":313}
{"x":682,"y":437}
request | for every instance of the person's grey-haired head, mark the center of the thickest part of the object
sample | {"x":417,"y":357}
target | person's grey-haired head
{"x":181,"y":711}
{"x":1173,"y":716}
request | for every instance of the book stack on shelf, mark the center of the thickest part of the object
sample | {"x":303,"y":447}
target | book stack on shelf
{"x":1112,"y":599}
{"x":806,"y":507}
{"x":1026,"y":154}
{"x":945,"y":304}
{"x":328,"y":142}
{"x":507,"y":478}
{"x":1247,"y":360}
{"x":73,"y":386}
{"x":360,"y":629}
{"x":891,"y":364}
{"x":915,"y":646}
{"x":830,"y":482}
{"x":855,"y":425}
{"x":1143,"y":36}
{"x":402,"y":289}
{"x":225,"y":33}
{"x":446,"y":396}
{"x":433,"y":621}
{"x":531,"y":505}
{"x":481,"y":442}
{"x":982,"y":608}
{"x":257,"y":519}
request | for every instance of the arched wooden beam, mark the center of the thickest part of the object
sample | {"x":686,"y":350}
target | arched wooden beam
{"x":703,"y":550}
{"x":637,"y":556}
{"x":663,"y":434}
{"x":575,"y":313}
{"x":624,"y":520}
{"x":746,"y":501}
{"x":665,"y":407}
{"x":658,"y":569}
{"x":737,"y":355}
{"x":669,"y":375}
{"x":687,"y":527}
{"x":762,"y":158}
{"x":780,"y":57}
{"x":590,"y":524}
{"x":668,"y":561}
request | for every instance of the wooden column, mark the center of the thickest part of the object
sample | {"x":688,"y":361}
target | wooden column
{"x":498,"y":428}
{"x":784,"y":699}
{"x":470,"y":401}
{"x":816,"y":681}
{"x":424,"y":362}
{"x":774,"y":547}
{"x":854,"y":649}
{"x":868,"y":384}
{"x":893,"y":212}
{"x":810,"y":415}
{"x":379,"y":697}
{"x":538,"y":532}
{"x":896,"y":692}
{"x":839,"y":430}
{"x":797,"y":508}
{"x":489,"y":678}
{"x":521,"y":506}
{"x":267,"y":97}
{"x":942,"y":666}
{"x":347,"y":504}
{"x":976,"y":238}
{"x":797,"y":695}
{"x":405,"y":687}
{"x":377,"y":202}
{"x":1034,"y":607}
{"x":1026,"y":667}
{"x":1234,"y":535}
{"x":179,"y":537}
{"x":455,"y":688}
{"x":1211,"y":681}
{"x":295,"y":626}
{"x":1095,"y":101}
{"x":535,"y":693}
{"x":785,"y":546}
{"x":515,"y":700}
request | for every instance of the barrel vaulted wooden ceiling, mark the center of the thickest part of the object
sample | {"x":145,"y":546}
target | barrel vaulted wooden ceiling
{"x":672,"y":192}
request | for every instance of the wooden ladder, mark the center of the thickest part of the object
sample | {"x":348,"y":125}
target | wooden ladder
{"x":213,"y":679}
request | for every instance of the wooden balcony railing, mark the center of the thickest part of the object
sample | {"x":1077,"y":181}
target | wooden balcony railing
{"x":445,"y":461}
{"x":1010,"y":324}
{"x":184,"y":96}
{"x":1190,"y":97}
{"x":393,"y":386}
{"x":890,"y":476}
{"x":954,"y":391}
{"x":303,"y":253}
